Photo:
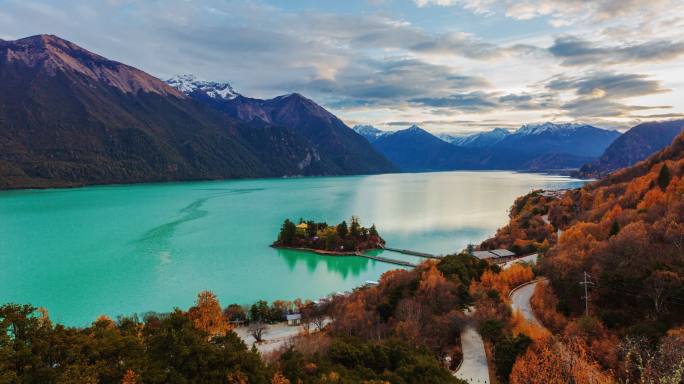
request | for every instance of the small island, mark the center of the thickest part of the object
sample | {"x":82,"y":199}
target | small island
{"x":340,"y":239}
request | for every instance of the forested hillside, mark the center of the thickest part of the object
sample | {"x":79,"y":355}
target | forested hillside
{"x":626,"y":232}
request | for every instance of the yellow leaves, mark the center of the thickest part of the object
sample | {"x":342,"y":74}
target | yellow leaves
{"x":207,"y":316}
{"x":432,"y":279}
{"x":551,"y":362}
{"x":503,"y":281}
{"x":544,"y":303}
{"x":535,"y":332}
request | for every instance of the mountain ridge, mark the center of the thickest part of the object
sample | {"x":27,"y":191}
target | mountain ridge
{"x":346,"y":151}
{"x":70,"y":117}
{"x":635,"y":145}
{"x":534,"y":147}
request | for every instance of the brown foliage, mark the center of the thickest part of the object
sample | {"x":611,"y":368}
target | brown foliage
{"x":131,"y":378}
{"x":419,"y":306}
{"x":554,"y":363}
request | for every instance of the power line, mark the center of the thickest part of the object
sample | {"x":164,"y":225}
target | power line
{"x":586,"y":284}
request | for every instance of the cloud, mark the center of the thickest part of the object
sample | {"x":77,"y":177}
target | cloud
{"x":388,"y":81}
{"x":575,"y":51}
{"x":479,"y":101}
{"x":604,"y":94}
{"x":380,"y":62}
{"x":562,"y":13}
{"x":473,"y":101}
{"x":480,"y":7}
{"x":459,"y":43}
{"x":612,"y":85}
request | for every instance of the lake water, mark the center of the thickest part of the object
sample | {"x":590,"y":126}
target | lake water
{"x":135,"y":248}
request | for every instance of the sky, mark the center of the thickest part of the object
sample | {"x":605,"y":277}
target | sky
{"x":450,"y":66}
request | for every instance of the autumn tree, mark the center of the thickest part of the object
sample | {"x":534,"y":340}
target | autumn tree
{"x":130,"y":377}
{"x":207,"y":316}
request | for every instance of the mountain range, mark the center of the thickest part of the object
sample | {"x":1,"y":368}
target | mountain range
{"x":71,"y":117}
{"x":532,"y":147}
{"x":338,"y":149}
{"x":635,"y":145}
{"x":478,"y":140}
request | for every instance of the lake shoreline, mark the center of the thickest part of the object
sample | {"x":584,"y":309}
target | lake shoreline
{"x":149,"y":246}
{"x":322,"y":251}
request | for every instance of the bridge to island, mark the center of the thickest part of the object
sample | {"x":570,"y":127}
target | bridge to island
{"x":412,"y":253}
{"x":402,"y":263}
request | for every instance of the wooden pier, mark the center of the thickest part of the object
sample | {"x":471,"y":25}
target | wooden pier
{"x":412,"y":253}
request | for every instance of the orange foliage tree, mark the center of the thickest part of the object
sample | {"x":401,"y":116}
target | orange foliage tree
{"x":207,"y":316}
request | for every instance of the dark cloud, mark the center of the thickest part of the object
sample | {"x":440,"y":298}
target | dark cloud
{"x":575,"y":51}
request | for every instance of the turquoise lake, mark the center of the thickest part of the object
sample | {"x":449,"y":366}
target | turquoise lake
{"x":128,"y":249}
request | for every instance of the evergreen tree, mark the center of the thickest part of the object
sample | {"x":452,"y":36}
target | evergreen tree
{"x":342,"y":229}
{"x":615,"y":229}
{"x":355,"y":228}
{"x":373,"y":231}
{"x":664,"y":177}
{"x":287,"y":232}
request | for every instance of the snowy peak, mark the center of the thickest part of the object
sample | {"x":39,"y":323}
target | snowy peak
{"x":369,"y":132}
{"x":480,"y":139}
{"x":189,"y":84}
{"x":549,"y":127}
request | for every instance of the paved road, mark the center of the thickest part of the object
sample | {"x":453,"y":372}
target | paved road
{"x":520,"y":300}
{"x":474,"y":368}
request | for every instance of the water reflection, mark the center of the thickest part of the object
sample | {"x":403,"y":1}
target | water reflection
{"x":342,"y":265}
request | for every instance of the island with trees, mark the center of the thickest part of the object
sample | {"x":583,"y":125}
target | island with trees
{"x":340,"y":239}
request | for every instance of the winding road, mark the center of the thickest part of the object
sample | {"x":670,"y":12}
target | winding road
{"x":474,"y":367}
{"x":520,"y":300}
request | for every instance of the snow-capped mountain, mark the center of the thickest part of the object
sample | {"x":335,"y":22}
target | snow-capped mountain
{"x":549,"y":127}
{"x":476,"y":140}
{"x":369,"y":132}
{"x":189,"y":84}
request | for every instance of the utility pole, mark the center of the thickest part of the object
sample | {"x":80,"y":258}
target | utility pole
{"x":586,"y":284}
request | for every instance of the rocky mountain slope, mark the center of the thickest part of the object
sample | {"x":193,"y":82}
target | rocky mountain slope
{"x":633,"y":146}
{"x":414,"y":149}
{"x":70,"y":117}
{"x":342,"y":150}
